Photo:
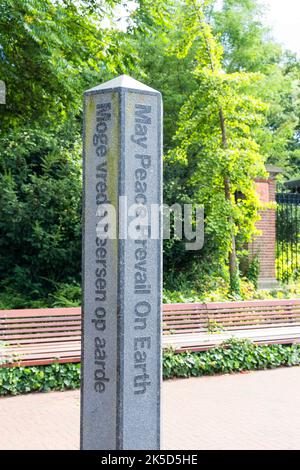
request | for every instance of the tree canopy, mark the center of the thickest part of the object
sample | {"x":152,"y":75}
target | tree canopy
{"x":231,"y":104}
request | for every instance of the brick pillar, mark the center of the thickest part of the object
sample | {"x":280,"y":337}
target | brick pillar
{"x":264,"y":245}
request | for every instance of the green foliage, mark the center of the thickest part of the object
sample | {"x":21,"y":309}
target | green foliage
{"x":159,"y":68}
{"x":214,"y":327}
{"x":18,"y":380}
{"x":253,"y":271}
{"x":216,"y":290}
{"x":248,"y":46}
{"x":61,"y":295}
{"x":66,"y":295}
{"x":50,"y":52}
{"x":216,"y":144}
{"x":232,"y":356}
{"x":40,"y":211}
{"x":246,"y":40}
{"x":12,"y":298}
{"x":278,"y":138}
{"x":288,"y":257}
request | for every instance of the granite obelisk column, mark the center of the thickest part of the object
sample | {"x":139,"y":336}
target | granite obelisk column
{"x":121,"y":350}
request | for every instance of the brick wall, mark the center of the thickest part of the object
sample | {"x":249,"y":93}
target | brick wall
{"x":264,"y":246}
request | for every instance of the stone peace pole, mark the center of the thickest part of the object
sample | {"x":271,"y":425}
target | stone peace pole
{"x":121,"y":350}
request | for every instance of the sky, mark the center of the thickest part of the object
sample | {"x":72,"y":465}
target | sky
{"x":284,"y":18}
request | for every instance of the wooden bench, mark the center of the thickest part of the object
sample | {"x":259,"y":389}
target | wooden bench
{"x":40,"y":336}
{"x":44,"y":336}
{"x":199,"y":327}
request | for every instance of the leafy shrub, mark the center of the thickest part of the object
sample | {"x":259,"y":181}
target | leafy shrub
{"x":40,"y":213}
{"x":66,"y":295}
{"x":69,"y":295}
{"x":232,"y":356}
{"x":253,"y":271}
{"x":286,"y":261}
{"x":17,"y":380}
{"x":221,"y":293}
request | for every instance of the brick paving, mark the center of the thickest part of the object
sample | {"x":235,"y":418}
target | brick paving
{"x":257,"y":410}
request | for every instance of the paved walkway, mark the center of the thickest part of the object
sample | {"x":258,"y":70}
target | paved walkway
{"x":257,"y":410}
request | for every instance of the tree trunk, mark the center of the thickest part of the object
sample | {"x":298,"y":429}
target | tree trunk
{"x":232,"y":259}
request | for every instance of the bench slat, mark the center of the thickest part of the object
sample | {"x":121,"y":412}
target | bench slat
{"x":40,"y":330}
{"x":62,"y":319}
{"x":44,"y":336}
{"x":40,"y":312}
{"x":55,"y":338}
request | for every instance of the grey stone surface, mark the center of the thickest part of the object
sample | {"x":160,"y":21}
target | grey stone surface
{"x":2,"y":92}
{"x":121,"y":378}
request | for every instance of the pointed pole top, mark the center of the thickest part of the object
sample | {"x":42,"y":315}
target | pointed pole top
{"x":123,"y":81}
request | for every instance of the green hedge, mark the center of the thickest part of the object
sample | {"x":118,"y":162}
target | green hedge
{"x":233,"y":356}
{"x":17,"y":380}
